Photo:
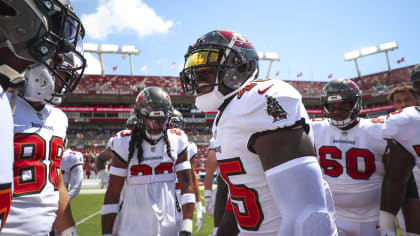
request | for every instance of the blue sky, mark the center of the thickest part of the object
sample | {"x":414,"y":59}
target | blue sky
{"x":310,"y":36}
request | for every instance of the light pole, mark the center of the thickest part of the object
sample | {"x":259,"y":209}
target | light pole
{"x":111,"y":49}
{"x":385,"y":47}
{"x":269,"y":56}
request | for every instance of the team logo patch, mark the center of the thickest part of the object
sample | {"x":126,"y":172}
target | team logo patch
{"x":275,"y":110}
{"x":153,"y":149}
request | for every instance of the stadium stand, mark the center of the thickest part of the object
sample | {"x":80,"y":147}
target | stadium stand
{"x":88,"y":134}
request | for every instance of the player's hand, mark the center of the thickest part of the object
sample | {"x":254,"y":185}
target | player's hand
{"x":185,"y":233}
{"x":199,"y":218}
{"x":209,"y":202}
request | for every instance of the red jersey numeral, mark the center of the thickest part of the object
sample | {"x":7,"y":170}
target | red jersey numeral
{"x":417,"y":149}
{"x":5,"y":202}
{"x":334,"y":169}
{"x":253,"y":216}
{"x":162,"y":168}
{"x":29,"y":171}
{"x":175,"y":131}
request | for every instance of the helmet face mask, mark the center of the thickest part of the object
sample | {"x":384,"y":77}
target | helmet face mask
{"x":153,"y":108}
{"x":341,"y":101}
{"x":39,"y":30}
{"x":229,"y":54}
{"x":177,"y":120}
{"x":415,"y":79}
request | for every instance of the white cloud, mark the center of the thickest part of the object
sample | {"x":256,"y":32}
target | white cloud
{"x":113,"y":16}
{"x":144,"y":68}
{"x":93,"y":65}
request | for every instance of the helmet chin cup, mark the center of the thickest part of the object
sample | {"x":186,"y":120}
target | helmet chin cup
{"x":153,"y":137}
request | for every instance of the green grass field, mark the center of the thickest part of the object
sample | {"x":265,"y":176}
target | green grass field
{"x":86,"y":212}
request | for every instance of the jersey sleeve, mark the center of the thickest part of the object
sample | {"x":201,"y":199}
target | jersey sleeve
{"x":120,"y":144}
{"x":78,"y":158}
{"x":178,"y":140}
{"x":192,"y":150}
{"x":391,"y":126}
{"x":109,"y":142}
{"x":272,"y":106}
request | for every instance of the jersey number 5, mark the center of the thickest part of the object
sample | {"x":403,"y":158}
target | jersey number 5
{"x":249,"y":214}
{"x":334,"y":169}
{"x":29,"y":169}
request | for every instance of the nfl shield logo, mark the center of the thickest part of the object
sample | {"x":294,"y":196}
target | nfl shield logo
{"x":153,"y":149}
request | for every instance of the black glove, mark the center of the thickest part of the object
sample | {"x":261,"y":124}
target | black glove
{"x":185,"y":233}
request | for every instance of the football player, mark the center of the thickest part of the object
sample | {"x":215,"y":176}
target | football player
{"x":215,"y":203}
{"x":31,"y":31}
{"x":39,"y":195}
{"x":147,"y":159}
{"x":401,"y":97}
{"x":72,"y":169}
{"x":266,"y":155}
{"x":350,"y":152}
{"x":105,"y":155}
{"x":25,"y":27}
{"x":177,"y":122}
{"x":211,"y":167}
{"x":401,"y":130}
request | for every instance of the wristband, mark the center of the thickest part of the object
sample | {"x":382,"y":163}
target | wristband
{"x":187,"y":225}
{"x":182,"y":166}
{"x":71,"y":231}
{"x":122,"y":172}
{"x":187,"y":198}
{"x":207,"y":193}
{"x":110,"y":209}
{"x":386,"y":220}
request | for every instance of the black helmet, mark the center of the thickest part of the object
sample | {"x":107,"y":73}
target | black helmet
{"x":177,"y":120}
{"x":230,"y":54}
{"x":153,"y":108}
{"x":342,"y":90}
{"x":37,"y":30}
{"x":131,"y":122}
{"x":415,"y":74}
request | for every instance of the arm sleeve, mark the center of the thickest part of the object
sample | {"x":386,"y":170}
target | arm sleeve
{"x":76,"y":177}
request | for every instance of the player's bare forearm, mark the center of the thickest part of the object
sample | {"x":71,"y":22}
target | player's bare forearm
{"x":64,"y":217}
{"x":211,"y":165}
{"x":196,"y":190}
{"x":221,"y":199}
{"x":187,"y":186}
{"x":395,"y":181}
{"x":227,"y":226}
{"x":112,"y":196}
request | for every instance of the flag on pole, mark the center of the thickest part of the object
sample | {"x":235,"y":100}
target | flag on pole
{"x":299,"y":75}
{"x":330,"y":76}
{"x":400,"y":60}
{"x":277,"y":74}
{"x":173,"y":65}
{"x":114,"y":68}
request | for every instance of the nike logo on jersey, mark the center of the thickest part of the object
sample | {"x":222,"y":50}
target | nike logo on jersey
{"x":265,"y":90}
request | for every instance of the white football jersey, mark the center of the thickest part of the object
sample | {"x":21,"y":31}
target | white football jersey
{"x":38,"y":146}
{"x":352,"y":164}
{"x":70,"y":160}
{"x":261,"y":106}
{"x":149,"y":194}
{"x":6,"y":147}
{"x":404,"y":127}
{"x":192,"y":150}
